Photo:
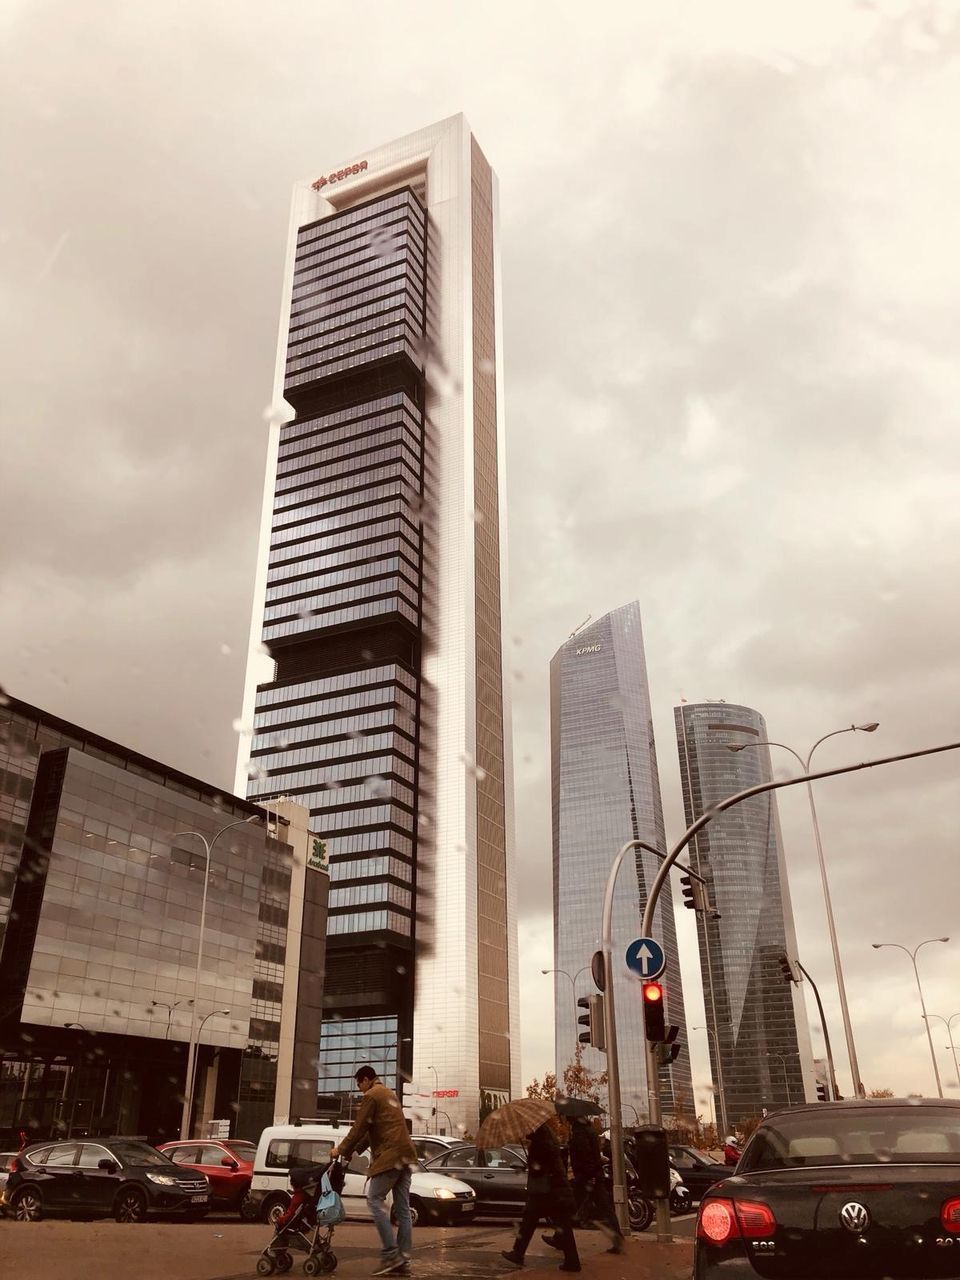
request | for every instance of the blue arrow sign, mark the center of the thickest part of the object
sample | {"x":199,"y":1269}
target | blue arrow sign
{"x":645,"y":958}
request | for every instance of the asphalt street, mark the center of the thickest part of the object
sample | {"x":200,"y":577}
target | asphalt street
{"x":225,"y":1249}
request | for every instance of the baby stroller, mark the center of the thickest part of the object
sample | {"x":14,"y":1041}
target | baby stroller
{"x":307,"y":1225}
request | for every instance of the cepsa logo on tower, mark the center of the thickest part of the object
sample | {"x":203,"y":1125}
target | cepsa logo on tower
{"x":339,"y":175}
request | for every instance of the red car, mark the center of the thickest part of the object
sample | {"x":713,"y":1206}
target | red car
{"x":228,"y":1165}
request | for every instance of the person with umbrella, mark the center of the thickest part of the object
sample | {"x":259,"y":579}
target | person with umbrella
{"x":528,"y":1120}
{"x":590,"y":1192}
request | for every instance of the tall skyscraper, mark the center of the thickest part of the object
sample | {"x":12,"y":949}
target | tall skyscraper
{"x":757,"y":1021}
{"x":378,"y":604}
{"x":606,"y":791}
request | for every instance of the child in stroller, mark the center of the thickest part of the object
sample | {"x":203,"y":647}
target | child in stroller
{"x":314,"y":1207}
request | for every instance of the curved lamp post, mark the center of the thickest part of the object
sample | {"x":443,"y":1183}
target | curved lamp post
{"x":719,"y":1094}
{"x":573,"y":987}
{"x":948,"y":1023}
{"x":192,"y":1051}
{"x":923,"y":1008}
{"x":831,"y":924}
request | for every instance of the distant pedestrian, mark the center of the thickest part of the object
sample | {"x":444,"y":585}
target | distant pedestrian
{"x":592,"y":1199}
{"x":381,"y":1127}
{"x":549,"y":1197}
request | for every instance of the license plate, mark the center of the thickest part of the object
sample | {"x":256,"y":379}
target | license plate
{"x":198,"y":1199}
{"x":467,"y":1208}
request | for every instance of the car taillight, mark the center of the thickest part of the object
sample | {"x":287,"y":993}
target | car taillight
{"x":950,"y":1214}
{"x":717,"y":1222}
{"x":723,"y":1220}
{"x":756,"y":1220}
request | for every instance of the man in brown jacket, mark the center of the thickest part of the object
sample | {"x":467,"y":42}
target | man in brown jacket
{"x":381,"y":1127}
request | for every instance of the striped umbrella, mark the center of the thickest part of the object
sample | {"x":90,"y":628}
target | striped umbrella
{"x":514,"y":1121}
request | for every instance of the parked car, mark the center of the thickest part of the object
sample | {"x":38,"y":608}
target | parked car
{"x":227,"y":1165}
{"x":433,"y":1197}
{"x":862,"y":1187}
{"x":498,"y":1176}
{"x":118,"y":1176}
{"x":697,"y":1169}
{"x":429,"y":1145}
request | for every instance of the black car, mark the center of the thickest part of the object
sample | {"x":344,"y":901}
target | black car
{"x":498,"y":1176}
{"x":118,"y":1176}
{"x":846,"y":1190}
{"x":698,"y":1170}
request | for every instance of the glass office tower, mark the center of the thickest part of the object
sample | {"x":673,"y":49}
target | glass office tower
{"x":757,"y":1021}
{"x":375,"y":684}
{"x":606,"y":791}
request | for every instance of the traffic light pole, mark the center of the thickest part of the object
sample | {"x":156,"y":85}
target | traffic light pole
{"x":826,"y":1034}
{"x":656,"y":1115}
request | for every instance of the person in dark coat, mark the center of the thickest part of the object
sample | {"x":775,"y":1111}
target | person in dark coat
{"x":592,"y":1199}
{"x":548,"y":1196}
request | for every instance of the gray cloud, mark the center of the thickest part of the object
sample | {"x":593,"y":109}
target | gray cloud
{"x":730,"y":292}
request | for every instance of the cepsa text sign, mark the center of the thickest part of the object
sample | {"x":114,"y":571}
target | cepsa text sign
{"x":339,"y":175}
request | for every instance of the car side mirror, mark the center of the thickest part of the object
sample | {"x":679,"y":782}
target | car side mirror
{"x":108,"y":1166}
{"x":228,"y":1163}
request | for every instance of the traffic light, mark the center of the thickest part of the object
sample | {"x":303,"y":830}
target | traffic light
{"x":787,"y":971}
{"x":669,"y":1050}
{"x":593,"y":1021}
{"x":822,"y":1091}
{"x":694,"y":894}
{"x":654,"y":1019}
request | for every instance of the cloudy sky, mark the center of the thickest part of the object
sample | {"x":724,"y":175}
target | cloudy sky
{"x":731,"y":307}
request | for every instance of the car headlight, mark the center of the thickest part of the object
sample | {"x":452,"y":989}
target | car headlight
{"x":163,"y":1179}
{"x":443,"y":1194}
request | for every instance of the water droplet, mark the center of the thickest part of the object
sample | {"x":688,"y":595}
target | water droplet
{"x":487,"y":367}
{"x":476,"y":516}
{"x":384,"y":242}
{"x":278,"y":414}
{"x":366,"y":655}
{"x":225,"y":650}
{"x":305,"y":613}
{"x":255,"y":772}
{"x":241,"y":726}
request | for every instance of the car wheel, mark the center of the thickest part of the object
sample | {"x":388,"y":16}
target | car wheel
{"x":130,"y":1205}
{"x":28,"y":1206}
{"x":274,"y":1207}
{"x":249,"y":1210}
{"x":416,"y":1212}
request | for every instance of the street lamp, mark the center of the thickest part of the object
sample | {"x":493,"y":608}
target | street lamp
{"x":720,"y":1093}
{"x":436,"y":1078}
{"x":192,"y":1051}
{"x":161,"y":1004}
{"x":948,"y":1023}
{"x":573,"y":986}
{"x":923,"y":1008}
{"x":212,"y":1013}
{"x":873,"y":725}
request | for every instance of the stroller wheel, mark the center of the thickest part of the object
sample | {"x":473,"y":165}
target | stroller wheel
{"x":266,"y":1266}
{"x":284,"y":1262}
{"x":328,"y":1262}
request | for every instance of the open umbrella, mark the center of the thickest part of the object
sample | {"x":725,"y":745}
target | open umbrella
{"x":571,"y":1107}
{"x":514,"y":1121}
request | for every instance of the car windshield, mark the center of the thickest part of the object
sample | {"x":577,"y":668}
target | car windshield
{"x":138,"y":1153}
{"x":860,"y":1135}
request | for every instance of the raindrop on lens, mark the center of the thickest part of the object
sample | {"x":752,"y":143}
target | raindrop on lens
{"x":226,"y":650}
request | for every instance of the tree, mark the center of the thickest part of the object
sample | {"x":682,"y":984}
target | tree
{"x":546,"y":1089}
{"x":578,"y":1082}
{"x":880,"y":1093}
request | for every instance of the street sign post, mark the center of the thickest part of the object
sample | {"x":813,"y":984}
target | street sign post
{"x":645,"y":958}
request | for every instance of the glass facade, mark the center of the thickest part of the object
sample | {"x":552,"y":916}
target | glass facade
{"x":98,"y":958}
{"x":606,"y":791}
{"x":756,"y":1019}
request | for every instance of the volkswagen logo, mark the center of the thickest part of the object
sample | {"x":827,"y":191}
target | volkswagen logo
{"x":854,"y":1216}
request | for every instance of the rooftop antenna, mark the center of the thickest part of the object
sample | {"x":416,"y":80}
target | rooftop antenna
{"x":581,"y":626}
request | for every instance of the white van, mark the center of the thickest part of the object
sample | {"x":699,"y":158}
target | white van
{"x":434,"y":1197}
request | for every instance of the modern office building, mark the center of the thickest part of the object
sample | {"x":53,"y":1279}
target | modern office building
{"x":101,"y":892}
{"x":757,"y":1021}
{"x":606,"y":791}
{"x":375,"y":692}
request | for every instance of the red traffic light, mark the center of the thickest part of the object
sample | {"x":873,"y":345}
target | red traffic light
{"x":652,"y":991}
{"x":654,"y":1014}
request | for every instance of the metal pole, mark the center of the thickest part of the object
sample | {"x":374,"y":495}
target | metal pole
{"x":719,"y":1093}
{"x":858,"y":1088}
{"x":786,"y":1081}
{"x":953,"y":1048}
{"x":832,"y":1081}
{"x":664,"y":871}
{"x":617,"y":1161}
{"x":436,"y":1078}
{"x":923,"y":1008}
{"x":187,"y":1113}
